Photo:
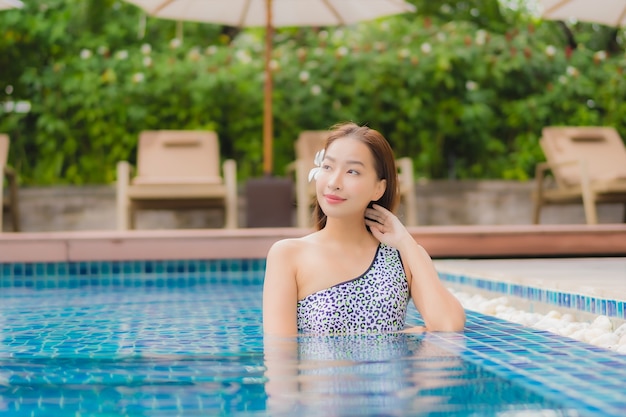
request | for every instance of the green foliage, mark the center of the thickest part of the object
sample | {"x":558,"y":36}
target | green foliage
{"x":463,"y":88}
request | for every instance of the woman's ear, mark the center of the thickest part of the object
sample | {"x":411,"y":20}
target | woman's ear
{"x":381,"y":186}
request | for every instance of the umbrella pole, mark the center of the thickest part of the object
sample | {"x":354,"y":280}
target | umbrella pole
{"x":267,"y":95}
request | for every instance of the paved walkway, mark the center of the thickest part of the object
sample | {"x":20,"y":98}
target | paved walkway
{"x":601,"y":277}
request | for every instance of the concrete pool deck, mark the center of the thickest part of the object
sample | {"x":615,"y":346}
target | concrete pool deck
{"x":584,"y":288}
{"x":599,"y":277}
{"x":441,"y":242}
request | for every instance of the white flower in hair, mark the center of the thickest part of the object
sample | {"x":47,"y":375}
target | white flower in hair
{"x":319,"y":157}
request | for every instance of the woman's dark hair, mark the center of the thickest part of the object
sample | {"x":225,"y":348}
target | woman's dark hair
{"x":384,"y":163}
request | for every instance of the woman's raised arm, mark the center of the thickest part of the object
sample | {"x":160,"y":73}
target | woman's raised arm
{"x":440,"y":309}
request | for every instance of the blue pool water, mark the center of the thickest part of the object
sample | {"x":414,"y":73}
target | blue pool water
{"x":170,"y":340}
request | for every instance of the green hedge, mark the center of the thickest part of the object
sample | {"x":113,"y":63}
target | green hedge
{"x":461,"y":100}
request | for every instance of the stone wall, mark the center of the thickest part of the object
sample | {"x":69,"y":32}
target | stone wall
{"x":44,"y":209}
{"x":496,"y":203}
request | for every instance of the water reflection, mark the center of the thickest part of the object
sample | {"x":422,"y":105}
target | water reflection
{"x":393,"y":374}
{"x":189,"y":351}
{"x":374,"y":373}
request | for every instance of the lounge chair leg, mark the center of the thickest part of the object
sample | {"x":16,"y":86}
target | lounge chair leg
{"x":590,"y":209}
{"x":589,"y":197}
{"x":122,"y":203}
{"x":303,"y":205}
{"x":410,"y":209}
{"x":537,"y":205}
{"x":15,"y":214}
{"x":230,"y":221}
{"x":231,"y":217}
{"x":230,"y":179}
{"x":131,"y":212}
{"x":537,"y":196}
{"x":536,"y":212}
{"x":303,"y":213}
{"x":407,"y":185}
{"x":1,"y":203}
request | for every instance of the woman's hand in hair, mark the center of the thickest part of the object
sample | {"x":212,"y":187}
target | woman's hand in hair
{"x":385,"y":226}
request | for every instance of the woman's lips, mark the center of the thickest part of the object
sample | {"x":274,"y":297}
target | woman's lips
{"x":333,"y":199}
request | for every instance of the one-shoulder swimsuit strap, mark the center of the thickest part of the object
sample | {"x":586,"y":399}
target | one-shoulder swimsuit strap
{"x":374,"y":302}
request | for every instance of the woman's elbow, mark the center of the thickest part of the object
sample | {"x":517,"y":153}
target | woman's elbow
{"x":451,"y":323}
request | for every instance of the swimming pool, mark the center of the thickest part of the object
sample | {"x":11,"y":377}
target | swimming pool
{"x":184,"y":338}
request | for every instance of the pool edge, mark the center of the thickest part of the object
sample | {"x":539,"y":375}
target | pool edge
{"x":439,"y":241}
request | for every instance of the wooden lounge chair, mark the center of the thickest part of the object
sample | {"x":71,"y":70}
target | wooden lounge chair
{"x":306,"y":146}
{"x":176,"y":170}
{"x":588,"y":164}
{"x":8,"y":203}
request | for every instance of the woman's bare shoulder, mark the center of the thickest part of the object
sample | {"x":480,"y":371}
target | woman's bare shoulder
{"x":290,"y":246}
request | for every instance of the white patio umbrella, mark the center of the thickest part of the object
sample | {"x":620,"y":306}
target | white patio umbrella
{"x":11,"y":4}
{"x":271,"y":14}
{"x":606,"y":12}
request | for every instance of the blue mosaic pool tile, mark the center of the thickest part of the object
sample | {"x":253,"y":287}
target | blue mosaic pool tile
{"x":160,"y":273}
{"x":586,"y":303}
{"x":189,"y":351}
{"x":585,"y":377}
{"x":157,"y":273}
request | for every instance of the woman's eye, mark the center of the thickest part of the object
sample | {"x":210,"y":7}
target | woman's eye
{"x":353,"y":172}
{"x":325,"y":167}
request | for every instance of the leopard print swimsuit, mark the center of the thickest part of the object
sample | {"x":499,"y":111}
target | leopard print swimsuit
{"x":374,"y":302}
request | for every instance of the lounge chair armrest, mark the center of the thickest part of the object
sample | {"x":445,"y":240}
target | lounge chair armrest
{"x":549,"y":166}
{"x":543,"y":167}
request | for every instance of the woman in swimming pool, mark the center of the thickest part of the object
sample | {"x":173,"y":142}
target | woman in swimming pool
{"x":356,"y":273}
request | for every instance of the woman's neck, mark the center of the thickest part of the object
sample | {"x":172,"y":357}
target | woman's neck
{"x":344,"y":231}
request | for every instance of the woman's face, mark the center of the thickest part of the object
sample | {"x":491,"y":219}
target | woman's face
{"x":347,"y":181}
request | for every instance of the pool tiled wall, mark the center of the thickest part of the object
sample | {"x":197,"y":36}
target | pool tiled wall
{"x":248,"y":271}
{"x":131,"y":273}
{"x":580,"y":302}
